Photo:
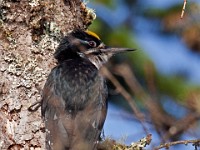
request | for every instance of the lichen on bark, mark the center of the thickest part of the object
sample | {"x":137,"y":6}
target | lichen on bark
{"x":29,"y":34}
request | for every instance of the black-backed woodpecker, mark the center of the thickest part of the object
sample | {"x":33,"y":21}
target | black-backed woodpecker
{"x":74,"y":100}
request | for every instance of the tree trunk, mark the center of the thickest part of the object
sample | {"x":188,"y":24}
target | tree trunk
{"x":29,"y":33}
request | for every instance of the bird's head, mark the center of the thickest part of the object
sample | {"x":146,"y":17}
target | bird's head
{"x":87,"y":45}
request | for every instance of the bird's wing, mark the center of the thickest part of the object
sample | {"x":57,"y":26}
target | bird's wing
{"x":89,"y":122}
{"x":56,"y":119}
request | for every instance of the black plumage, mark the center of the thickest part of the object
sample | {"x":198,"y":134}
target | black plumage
{"x":74,"y":100}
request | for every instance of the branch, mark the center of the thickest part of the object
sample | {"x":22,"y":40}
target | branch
{"x":125,"y":94}
{"x":183,"y":9}
{"x":196,"y":143}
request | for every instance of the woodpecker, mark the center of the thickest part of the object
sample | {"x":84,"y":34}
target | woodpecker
{"x":74,"y":99}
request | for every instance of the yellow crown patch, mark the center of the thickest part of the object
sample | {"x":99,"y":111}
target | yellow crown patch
{"x":93,"y":34}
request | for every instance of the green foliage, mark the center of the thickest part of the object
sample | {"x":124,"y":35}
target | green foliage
{"x":175,"y":87}
{"x":108,"y":3}
{"x":160,"y":13}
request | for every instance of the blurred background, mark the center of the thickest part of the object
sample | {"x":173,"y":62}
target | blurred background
{"x":162,"y":77}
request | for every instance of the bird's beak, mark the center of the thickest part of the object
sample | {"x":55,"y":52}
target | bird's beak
{"x":113,"y":50}
{"x":102,"y":48}
{"x":105,"y":49}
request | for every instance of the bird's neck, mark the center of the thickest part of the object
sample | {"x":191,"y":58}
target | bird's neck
{"x":99,"y":60}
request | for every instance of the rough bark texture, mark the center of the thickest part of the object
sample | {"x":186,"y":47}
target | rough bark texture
{"x":29,"y":34}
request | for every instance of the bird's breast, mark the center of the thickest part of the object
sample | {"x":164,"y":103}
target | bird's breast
{"x":79,"y":84}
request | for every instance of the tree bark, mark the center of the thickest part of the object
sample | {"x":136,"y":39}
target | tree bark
{"x":29,"y":33}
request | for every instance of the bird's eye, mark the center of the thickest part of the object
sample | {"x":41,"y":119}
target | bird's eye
{"x":92,"y":43}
